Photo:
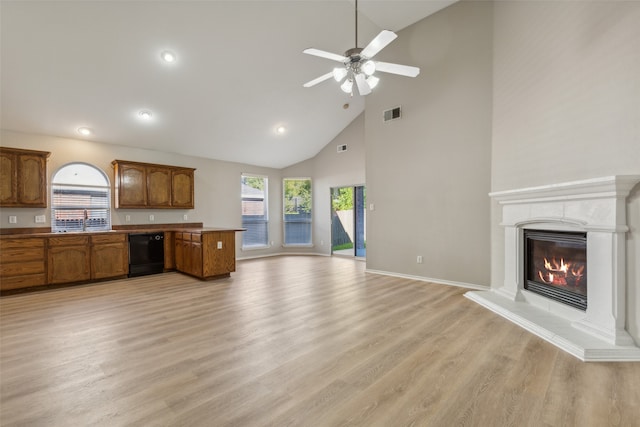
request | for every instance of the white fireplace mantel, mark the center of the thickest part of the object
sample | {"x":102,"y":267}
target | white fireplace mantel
{"x":597,"y":207}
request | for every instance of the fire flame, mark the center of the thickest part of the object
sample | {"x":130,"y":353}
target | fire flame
{"x":560,"y":273}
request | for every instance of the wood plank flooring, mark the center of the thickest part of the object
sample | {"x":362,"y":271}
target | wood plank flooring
{"x":290,"y":341}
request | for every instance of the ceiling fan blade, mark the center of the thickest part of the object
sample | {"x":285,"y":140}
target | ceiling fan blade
{"x":363,"y":86}
{"x":323,"y":54}
{"x":403,"y":70}
{"x":378,"y":43}
{"x":319,"y":79}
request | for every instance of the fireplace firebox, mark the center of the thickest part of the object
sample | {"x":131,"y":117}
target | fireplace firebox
{"x":555,"y":266}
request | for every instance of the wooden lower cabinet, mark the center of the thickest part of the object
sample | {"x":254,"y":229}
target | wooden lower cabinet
{"x":82,"y":258}
{"x":109,"y":256}
{"x":69,"y":259}
{"x":205,"y":254}
{"x":22,"y":263}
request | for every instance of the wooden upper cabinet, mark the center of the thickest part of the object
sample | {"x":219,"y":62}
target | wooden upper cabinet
{"x":131,"y":185}
{"x":23,"y":178}
{"x":182,"y":188}
{"x":145,"y":185}
{"x":159,"y":186}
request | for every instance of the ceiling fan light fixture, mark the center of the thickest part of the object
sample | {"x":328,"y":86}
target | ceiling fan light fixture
{"x":372,"y":81}
{"x":347,"y":86}
{"x":368,"y":67}
{"x":339,"y":74}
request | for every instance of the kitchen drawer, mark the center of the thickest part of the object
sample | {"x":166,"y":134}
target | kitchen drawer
{"x":22,"y":281}
{"x":6,"y":244}
{"x":196,"y":237}
{"x":68,"y":241}
{"x":108,"y":238}
{"x":21,"y":254}
{"x":21,"y":268}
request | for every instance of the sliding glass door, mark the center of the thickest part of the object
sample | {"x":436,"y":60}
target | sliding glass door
{"x":348,"y":221}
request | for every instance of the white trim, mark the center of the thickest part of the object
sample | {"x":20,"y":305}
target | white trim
{"x":429,"y":279}
{"x":282,"y":254}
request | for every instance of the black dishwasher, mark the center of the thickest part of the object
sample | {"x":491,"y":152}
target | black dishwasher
{"x":146,"y":253}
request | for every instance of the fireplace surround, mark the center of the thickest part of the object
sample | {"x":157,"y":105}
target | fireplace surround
{"x":595,"y":209}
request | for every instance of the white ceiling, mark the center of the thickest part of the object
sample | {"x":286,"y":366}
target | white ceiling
{"x":238,"y":75}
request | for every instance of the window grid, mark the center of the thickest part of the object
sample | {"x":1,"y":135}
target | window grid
{"x":298,"y":215}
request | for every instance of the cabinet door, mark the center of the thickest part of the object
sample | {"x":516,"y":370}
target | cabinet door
{"x":195,"y":255}
{"x":109,"y":256}
{"x":32,"y":188}
{"x":132,"y":186}
{"x":8,"y":179}
{"x":182,"y":188}
{"x":158,"y":187}
{"x":179,"y":252}
{"x":68,"y":264}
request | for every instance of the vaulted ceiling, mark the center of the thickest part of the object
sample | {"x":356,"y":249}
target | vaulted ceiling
{"x":237,"y":77}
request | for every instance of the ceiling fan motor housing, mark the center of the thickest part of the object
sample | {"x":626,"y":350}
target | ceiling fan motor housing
{"x":354,"y":59}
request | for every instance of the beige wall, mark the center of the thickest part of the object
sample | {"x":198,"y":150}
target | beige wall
{"x":567,"y":106}
{"x":332,"y":169}
{"x":428,"y":174}
{"x":217,"y":199}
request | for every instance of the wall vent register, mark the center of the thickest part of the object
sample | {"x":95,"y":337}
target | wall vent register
{"x":392,"y":114}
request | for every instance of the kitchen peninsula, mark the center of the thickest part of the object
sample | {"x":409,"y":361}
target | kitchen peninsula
{"x":36,"y":258}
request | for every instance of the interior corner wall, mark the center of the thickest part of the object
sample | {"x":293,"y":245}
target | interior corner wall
{"x":328,"y":169}
{"x":428,"y":174}
{"x":566,"y":98}
{"x":217,"y":200}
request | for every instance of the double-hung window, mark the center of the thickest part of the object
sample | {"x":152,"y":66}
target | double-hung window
{"x":255,"y":214}
{"x":80,"y":199}
{"x":297,"y":211}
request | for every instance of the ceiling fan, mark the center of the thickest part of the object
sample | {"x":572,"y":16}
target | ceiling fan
{"x":359,"y":65}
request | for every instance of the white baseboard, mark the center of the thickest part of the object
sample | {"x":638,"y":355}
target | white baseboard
{"x":430,"y":279}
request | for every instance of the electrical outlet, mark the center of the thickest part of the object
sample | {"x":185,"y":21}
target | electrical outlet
{"x":372,"y":207}
{"x":419,"y":259}
{"x":40,"y":219}
{"x":219,"y":245}
{"x":13,"y":219}
{"x":185,"y":217}
{"x":127,"y":218}
{"x":152,"y":218}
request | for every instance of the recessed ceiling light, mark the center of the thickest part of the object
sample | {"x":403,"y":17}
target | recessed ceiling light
{"x":168,"y":56}
{"x":281,"y":130}
{"x":84,"y":131}
{"x":145,"y":115}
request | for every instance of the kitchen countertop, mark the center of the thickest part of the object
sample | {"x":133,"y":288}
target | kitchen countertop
{"x":6,"y":234}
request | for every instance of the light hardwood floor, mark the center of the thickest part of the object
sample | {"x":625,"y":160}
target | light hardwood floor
{"x":308,"y":341}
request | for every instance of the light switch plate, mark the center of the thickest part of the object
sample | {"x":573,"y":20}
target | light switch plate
{"x":152,"y":218}
{"x":40,"y":219}
{"x":13,"y":219}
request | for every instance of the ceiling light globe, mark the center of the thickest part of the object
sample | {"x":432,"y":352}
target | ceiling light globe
{"x":347,"y":86}
{"x":84,"y":131}
{"x":168,"y":56}
{"x":145,"y":115}
{"x":281,"y":129}
{"x":339,"y":74}
{"x":372,"y":81}
{"x":368,"y":67}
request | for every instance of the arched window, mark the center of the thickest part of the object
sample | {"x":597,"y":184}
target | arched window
{"x":80,"y":199}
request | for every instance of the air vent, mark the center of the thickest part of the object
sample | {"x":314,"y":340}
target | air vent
{"x":392,"y":114}
{"x":342,"y":148}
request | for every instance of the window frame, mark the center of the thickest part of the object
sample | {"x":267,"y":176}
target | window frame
{"x":308,"y":220}
{"x":82,"y":220}
{"x":265,"y":221}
